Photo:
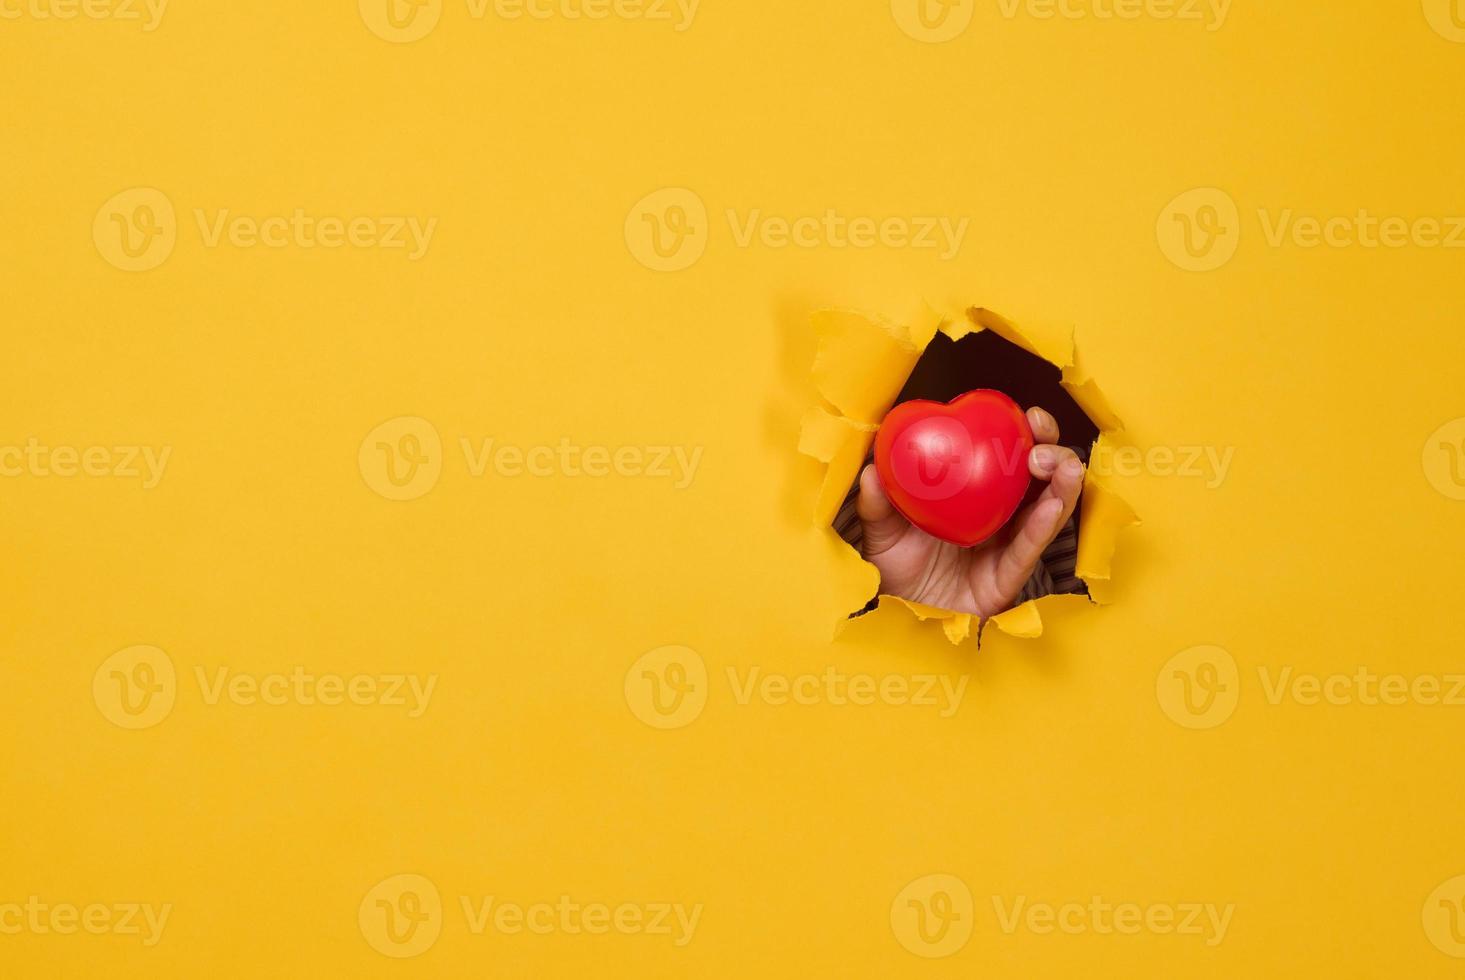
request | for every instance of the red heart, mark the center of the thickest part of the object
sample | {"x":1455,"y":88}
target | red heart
{"x":956,"y":471}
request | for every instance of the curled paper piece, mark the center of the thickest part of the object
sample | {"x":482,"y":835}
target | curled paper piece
{"x":840,"y":442}
{"x":862,"y":363}
{"x":1107,"y":514}
{"x":1022,"y":621}
{"x":957,"y":626}
{"x":860,"y":367}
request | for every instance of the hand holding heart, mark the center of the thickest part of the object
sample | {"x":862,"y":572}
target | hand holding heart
{"x":986,"y":578}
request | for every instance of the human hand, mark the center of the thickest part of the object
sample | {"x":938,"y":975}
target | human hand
{"x":987,"y":579}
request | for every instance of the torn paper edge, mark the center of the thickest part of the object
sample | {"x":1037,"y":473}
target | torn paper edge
{"x":861,"y":365}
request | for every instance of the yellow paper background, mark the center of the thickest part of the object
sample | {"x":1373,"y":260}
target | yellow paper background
{"x":530,"y":320}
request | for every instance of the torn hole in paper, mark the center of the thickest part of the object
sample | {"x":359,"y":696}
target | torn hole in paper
{"x":866,"y":365}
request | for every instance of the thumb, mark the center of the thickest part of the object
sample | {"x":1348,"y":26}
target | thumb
{"x":883,"y":525}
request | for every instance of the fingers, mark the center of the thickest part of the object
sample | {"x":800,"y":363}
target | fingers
{"x":1046,"y":455}
{"x":1067,"y":482}
{"x":1037,"y":525}
{"x":1036,"y":528}
{"x":1045,"y":461}
{"x":1044,"y":426}
{"x":872,"y":505}
{"x":882,"y":523}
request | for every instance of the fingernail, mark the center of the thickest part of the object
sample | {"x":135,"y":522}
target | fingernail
{"x":1072,"y":468}
{"x":1046,"y":457}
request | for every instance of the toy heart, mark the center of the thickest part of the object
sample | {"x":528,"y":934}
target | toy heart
{"x":956,"y":471}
